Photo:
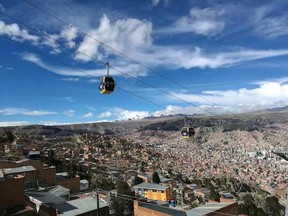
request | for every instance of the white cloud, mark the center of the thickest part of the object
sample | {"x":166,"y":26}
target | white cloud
{"x":207,"y":22}
{"x":10,"y":68}
{"x":88,"y":115}
{"x":156,"y":2}
{"x":133,"y":37}
{"x":184,"y":58}
{"x":14,"y":123}
{"x":69,"y":34}
{"x":51,"y":40}
{"x":272,"y":27}
{"x":1,"y":66}
{"x":70,"y":79}
{"x":14,"y":31}
{"x":118,"y":68}
{"x":122,"y":35}
{"x":122,"y":114}
{"x":69,"y":113}
{"x":23,"y":111}
{"x":106,"y":114}
{"x":267,"y":95}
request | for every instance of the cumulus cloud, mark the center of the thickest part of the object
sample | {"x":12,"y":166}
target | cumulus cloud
{"x":122,"y":114}
{"x":267,"y":95}
{"x":122,"y":35}
{"x":69,"y":34}
{"x":133,"y":37}
{"x":14,"y":31}
{"x":23,"y":111}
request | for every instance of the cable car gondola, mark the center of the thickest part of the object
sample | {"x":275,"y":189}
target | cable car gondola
{"x":187,"y":131}
{"x":107,"y":83}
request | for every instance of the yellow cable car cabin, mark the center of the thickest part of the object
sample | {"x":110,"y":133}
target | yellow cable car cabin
{"x":107,"y":85}
{"x":187,"y":132}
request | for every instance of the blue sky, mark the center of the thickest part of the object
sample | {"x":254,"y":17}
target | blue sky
{"x":222,"y":56}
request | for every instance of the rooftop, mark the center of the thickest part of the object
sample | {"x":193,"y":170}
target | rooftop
{"x":79,"y":206}
{"x":45,"y":197}
{"x":152,"y":186}
{"x":207,"y":208}
{"x":16,"y":170}
{"x":60,"y":191}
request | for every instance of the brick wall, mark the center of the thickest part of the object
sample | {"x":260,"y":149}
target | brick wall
{"x":40,"y":209}
{"x":43,"y":173}
{"x":47,"y":175}
{"x":12,"y":191}
{"x":141,"y":211}
{"x":71,"y":183}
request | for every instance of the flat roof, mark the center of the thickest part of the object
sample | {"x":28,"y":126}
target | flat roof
{"x":16,"y":170}
{"x":146,"y":185}
{"x":34,"y":153}
{"x":46,"y":197}
{"x":60,"y":191}
{"x":207,"y":208}
{"x":79,"y":206}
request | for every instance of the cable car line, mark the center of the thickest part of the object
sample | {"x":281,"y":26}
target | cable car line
{"x":79,"y":70}
{"x":125,"y":55}
{"x":126,"y":74}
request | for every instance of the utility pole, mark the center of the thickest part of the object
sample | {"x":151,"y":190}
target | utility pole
{"x":97,"y":198}
{"x":286,"y":202}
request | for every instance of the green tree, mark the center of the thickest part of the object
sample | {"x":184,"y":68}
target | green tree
{"x":137,"y":180}
{"x":123,"y":188}
{"x":102,"y":182}
{"x":155,"y":178}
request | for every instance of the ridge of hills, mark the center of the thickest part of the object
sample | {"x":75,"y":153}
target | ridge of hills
{"x":245,"y":122}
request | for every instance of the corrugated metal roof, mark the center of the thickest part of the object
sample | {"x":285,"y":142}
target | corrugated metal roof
{"x":151,"y":186}
{"x":16,"y":170}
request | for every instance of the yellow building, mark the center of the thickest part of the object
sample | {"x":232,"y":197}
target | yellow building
{"x":152,"y":191}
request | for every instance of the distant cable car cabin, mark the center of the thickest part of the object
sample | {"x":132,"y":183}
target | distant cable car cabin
{"x":187,"y":131}
{"x":107,"y":83}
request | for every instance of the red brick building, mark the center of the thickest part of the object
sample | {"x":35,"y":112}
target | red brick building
{"x":11,"y":190}
{"x":209,"y":209}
